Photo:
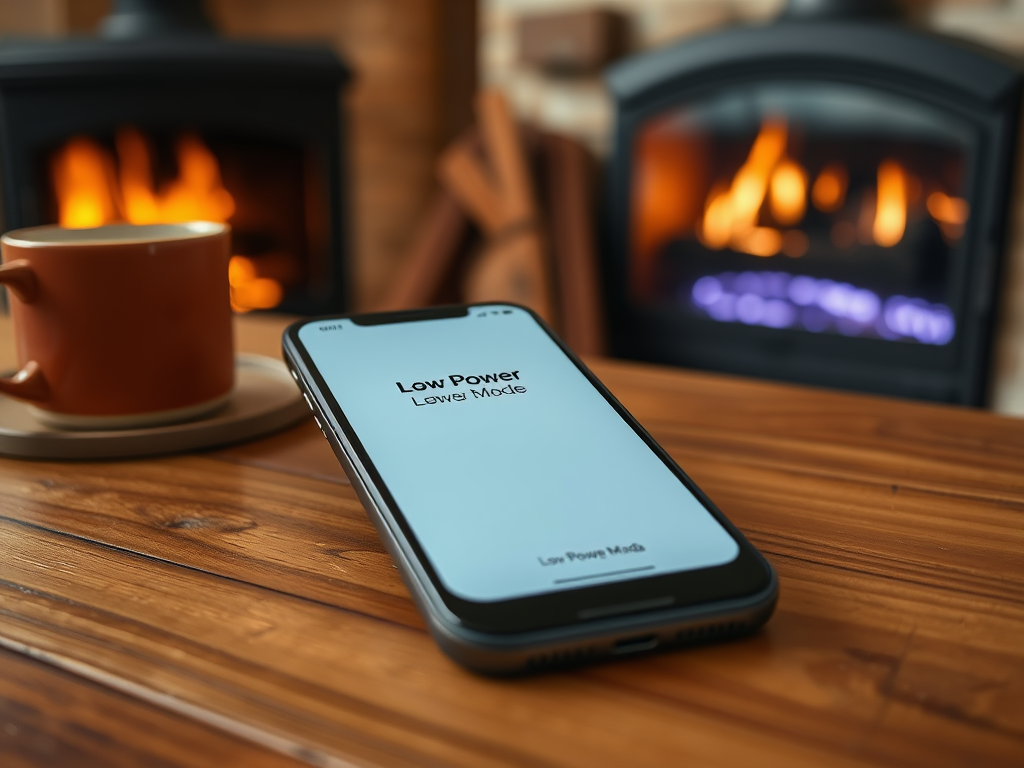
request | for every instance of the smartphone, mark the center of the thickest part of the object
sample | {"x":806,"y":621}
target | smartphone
{"x":533,"y":519}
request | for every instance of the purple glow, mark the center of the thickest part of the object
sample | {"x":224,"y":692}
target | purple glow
{"x":778,"y":314}
{"x":776,"y":284}
{"x":916,"y":318}
{"x":803,"y":291}
{"x":749,"y":282}
{"x":724,"y":310}
{"x":833,"y":297}
{"x":707,"y":291}
{"x":864,"y":306}
{"x":781,"y":300}
{"x":750,"y":309}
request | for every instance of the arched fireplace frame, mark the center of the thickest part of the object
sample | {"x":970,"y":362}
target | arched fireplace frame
{"x":959,"y":79}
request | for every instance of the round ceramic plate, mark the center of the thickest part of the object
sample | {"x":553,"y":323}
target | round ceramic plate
{"x":264,"y":400}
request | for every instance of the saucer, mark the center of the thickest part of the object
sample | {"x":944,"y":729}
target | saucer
{"x":264,"y":400}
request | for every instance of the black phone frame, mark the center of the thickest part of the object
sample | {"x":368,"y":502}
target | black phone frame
{"x":747,"y":575}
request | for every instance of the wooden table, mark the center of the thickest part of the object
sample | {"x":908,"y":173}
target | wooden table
{"x":235,"y":608}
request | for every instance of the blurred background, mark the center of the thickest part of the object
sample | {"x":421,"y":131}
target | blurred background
{"x":418,"y":63}
{"x":579,"y":105}
{"x":406,"y":73}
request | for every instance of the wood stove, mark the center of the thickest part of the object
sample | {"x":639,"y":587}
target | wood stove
{"x":820,"y":200}
{"x":162,"y":121}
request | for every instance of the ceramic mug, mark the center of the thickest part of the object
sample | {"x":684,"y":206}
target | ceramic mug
{"x":120,"y":326}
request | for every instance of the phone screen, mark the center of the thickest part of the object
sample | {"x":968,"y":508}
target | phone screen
{"x":514,"y":473}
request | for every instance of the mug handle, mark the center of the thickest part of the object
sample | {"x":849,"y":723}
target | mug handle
{"x":19,"y":277}
{"x":28,"y":383}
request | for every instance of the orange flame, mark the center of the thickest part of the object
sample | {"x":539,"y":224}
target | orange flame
{"x":891,"y":206}
{"x":829,"y":190}
{"x":760,"y":241}
{"x":248,"y":290}
{"x":197,"y":193}
{"x":82,"y":177}
{"x":758,"y":210}
{"x":716,"y":231}
{"x":90,"y":194}
{"x":788,"y":192}
{"x":950,"y":213}
{"x":751,"y":181}
{"x":730,"y":213}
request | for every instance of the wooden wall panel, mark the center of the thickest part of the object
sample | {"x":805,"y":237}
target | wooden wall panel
{"x":402,"y":105}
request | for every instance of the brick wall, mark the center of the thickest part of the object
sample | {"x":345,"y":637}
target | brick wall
{"x":579,"y":106}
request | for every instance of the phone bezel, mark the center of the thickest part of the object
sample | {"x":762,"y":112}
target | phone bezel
{"x":747,"y":575}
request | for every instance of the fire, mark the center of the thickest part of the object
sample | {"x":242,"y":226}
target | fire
{"x":248,"y":290}
{"x":718,"y":219}
{"x":751,"y":181}
{"x":83,"y":177}
{"x":829,"y":190}
{"x":788,"y":193}
{"x":891,"y":206}
{"x":90,"y":193}
{"x":950,"y":213}
{"x":732,"y":209}
{"x":731,"y":212}
{"x":197,"y":193}
{"x":760,"y":241}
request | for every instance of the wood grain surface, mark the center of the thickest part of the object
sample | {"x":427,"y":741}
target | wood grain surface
{"x":54,"y":718}
{"x":240,"y":599}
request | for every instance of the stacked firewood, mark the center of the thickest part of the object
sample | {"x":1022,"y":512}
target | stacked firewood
{"x":510,"y":221}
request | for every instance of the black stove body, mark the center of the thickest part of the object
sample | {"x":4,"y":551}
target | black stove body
{"x":821,"y":201}
{"x":155,"y":124}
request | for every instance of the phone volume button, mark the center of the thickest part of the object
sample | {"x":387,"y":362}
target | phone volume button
{"x":308,"y":402}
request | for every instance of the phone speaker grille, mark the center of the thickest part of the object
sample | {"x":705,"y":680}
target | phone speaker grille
{"x":710,"y":632}
{"x":569,"y":657}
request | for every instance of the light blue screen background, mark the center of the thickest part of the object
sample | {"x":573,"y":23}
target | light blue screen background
{"x":492,"y":487}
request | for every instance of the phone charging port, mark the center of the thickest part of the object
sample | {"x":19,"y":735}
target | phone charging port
{"x":634,"y":644}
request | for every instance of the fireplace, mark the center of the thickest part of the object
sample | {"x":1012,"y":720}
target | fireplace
{"x":162,"y":121}
{"x":815,"y":200}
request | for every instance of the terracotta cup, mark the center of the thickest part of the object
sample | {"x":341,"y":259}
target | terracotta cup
{"x":120,"y":326}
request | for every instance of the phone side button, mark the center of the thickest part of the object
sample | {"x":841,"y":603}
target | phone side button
{"x":318,"y":423}
{"x":308,"y":402}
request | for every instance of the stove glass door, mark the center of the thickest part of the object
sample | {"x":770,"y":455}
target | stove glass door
{"x":822,"y":208}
